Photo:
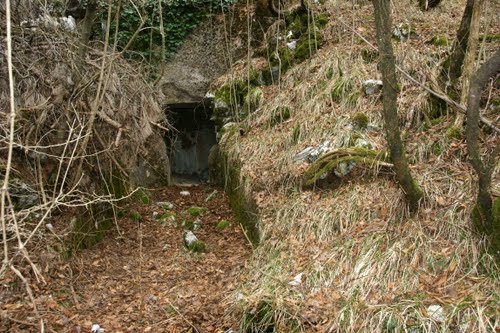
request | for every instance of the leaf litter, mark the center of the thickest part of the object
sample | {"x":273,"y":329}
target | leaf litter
{"x":141,"y":279}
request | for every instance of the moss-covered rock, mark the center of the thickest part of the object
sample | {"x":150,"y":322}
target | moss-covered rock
{"x":359,"y":121}
{"x":308,"y":45}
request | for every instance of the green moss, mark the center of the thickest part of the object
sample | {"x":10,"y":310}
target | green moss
{"x":188,"y":224}
{"x":359,"y":121}
{"x":136,"y":216}
{"x":196,"y":211}
{"x":244,"y":207}
{"x":142,"y":196}
{"x":223,"y":224}
{"x":439,"y":41}
{"x":87,"y":231}
{"x":490,"y":38}
{"x":282,"y":59}
{"x":196,"y":246}
{"x":279,"y":115}
{"x":307,"y":46}
{"x":322,"y":19}
{"x":455,"y":133}
{"x":330,"y":161}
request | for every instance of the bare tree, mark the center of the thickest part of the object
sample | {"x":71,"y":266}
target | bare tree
{"x":483,"y":166}
{"x":383,"y":22}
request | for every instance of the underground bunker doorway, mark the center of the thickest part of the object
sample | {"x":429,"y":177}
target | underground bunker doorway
{"x":189,"y":146}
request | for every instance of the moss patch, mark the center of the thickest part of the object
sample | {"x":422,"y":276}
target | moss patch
{"x":223,"y":224}
{"x":196,"y":211}
{"x":196,"y":246}
{"x":359,"y":121}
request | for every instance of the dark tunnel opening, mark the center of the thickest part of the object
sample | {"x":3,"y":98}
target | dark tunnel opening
{"x":190,"y":145}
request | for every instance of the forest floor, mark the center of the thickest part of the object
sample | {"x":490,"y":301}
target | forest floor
{"x":142,"y":278}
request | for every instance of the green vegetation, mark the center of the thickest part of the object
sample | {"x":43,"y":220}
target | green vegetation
{"x":179,"y":18}
{"x":359,"y":121}
{"x":455,"y":132}
{"x":188,"y":224}
{"x":279,"y":115}
{"x":142,"y":196}
{"x":440,"y":41}
{"x":136,"y":216}
{"x":196,"y":246}
{"x":223,"y":224}
{"x":196,"y":211}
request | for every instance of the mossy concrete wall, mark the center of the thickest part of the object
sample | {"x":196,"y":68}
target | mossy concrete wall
{"x":227,"y":173}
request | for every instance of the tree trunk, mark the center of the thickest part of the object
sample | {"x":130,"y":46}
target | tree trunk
{"x":383,"y":22}
{"x":88,"y":21}
{"x":452,"y":67}
{"x":483,"y":168}
{"x":468,"y":67}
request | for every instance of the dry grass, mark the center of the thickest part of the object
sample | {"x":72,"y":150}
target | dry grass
{"x":368,"y":265}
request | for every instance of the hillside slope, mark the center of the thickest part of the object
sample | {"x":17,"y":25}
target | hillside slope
{"x":345,"y":255}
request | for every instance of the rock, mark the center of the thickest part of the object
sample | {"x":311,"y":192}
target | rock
{"x":404,"y":32}
{"x":311,"y":154}
{"x":296,"y":280}
{"x":185,"y":193}
{"x":165,"y":205}
{"x":192,"y":243}
{"x":362,"y":143}
{"x":371,"y":87}
{"x":197,"y":224}
{"x":436,"y":313}
{"x":189,"y":238}
{"x":343,"y":169}
{"x":23,"y":196}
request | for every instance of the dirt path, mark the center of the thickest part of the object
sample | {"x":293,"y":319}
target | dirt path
{"x":145,"y":280}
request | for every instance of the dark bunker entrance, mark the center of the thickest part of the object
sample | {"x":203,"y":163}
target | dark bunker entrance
{"x":190,"y":145}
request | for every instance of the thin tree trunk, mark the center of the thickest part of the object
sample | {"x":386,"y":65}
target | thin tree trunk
{"x":468,"y":67}
{"x":452,"y":67}
{"x":483,"y":168}
{"x":383,"y":22}
{"x":88,"y":21}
